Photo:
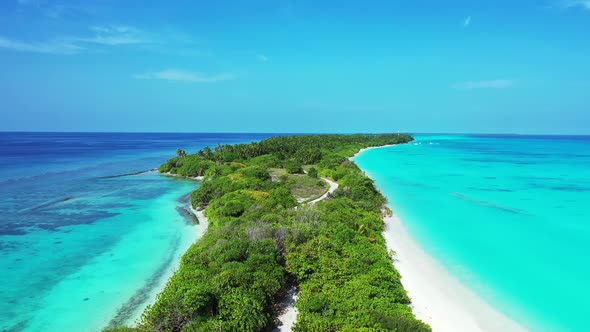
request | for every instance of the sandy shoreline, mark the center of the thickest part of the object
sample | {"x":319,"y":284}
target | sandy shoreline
{"x":437,"y":297}
{"x":199,"y":230}
{"x":370,"y":148}
{"x":197,"y":178}
{"x":203,"y":221}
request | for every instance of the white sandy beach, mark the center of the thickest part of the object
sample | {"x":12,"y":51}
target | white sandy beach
{"x":197,"y":178}
{"x":438,"y":298}
{"x":203,"y":222}
{"x":370,"y":148}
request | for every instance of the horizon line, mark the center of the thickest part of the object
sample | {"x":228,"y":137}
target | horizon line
{"x":287,"y":133}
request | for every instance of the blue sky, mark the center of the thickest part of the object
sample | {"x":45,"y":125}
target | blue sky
{"x":295,"y":66}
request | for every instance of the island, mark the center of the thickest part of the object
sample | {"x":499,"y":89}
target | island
{"x":288,"y":217}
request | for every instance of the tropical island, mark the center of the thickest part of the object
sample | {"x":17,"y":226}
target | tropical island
{"x":291,"y":212}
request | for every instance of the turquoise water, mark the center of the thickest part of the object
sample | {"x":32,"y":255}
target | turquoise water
{"x":506,"y":215}
{"x":123,"y":254}
{"x":80,"y":249}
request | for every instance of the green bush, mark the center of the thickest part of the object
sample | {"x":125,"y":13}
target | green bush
{"x":312,"y":172}
{"x":187,"y":166}
{"x":257,"y":172}
{"x":293,"y":167}
{"x":232,"y":209}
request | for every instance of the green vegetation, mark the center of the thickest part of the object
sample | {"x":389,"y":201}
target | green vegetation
{"x":312,"y":172}
{"x":294,"y":167}
{"x":305,"y":188}
{"x":230,"y":279}
{"x":186,"y":165}
{"x":181,"y":153}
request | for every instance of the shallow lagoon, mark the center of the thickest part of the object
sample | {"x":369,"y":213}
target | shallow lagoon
{"x":506,"y":215}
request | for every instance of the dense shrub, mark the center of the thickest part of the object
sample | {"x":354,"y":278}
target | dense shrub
{"x":293,"y":167}
{"x":258,"y":172}
{"x":187,"y":166}
{"x":312,"y":172}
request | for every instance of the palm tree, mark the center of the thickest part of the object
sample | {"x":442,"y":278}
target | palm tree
{"x":181,"y":153}
{"x":208,"y":153}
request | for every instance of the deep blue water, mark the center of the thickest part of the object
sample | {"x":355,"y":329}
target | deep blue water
{"x":507,"y":215}
{"x":73,"y":244}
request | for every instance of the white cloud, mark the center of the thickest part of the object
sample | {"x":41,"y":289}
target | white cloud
{"x":576,"y":3}
{"x":493,"y":84}
{"x":184,"y":76}
{"x":49,"y":47}
{"x":467,"y":21}
{"x":262,"y":58}
{"x":103,"y":35}
{"x":115,"y":35}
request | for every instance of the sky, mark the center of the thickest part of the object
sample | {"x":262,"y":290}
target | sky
{"x":517,"y":66}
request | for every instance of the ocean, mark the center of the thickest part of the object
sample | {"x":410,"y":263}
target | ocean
{"x":80,"y":249}
{"x":506,"y":215}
